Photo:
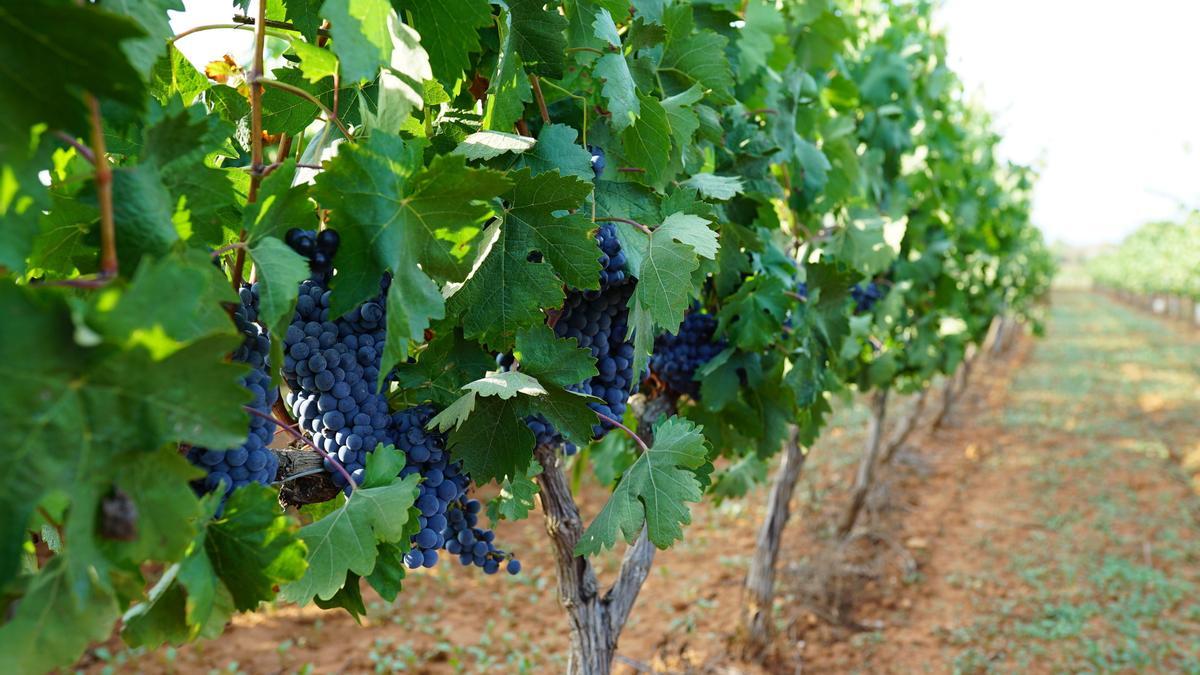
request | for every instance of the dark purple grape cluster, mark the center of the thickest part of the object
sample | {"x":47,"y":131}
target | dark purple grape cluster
{"x":599,"y":321}
{"x":449,"y":518}
{"x":318,"y":247}
{"x":612,"y":258}
{"x":252,"y":461}
{"x":865,"y":296}
{"x":677,"y":356}
{"x":332,"y":368}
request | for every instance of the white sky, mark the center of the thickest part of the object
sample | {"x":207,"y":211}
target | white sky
{"x":1102,"y":96}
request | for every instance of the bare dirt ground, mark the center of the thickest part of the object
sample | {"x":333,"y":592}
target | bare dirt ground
{"x":1050,"y":527}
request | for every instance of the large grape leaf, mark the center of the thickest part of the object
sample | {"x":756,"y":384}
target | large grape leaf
{"x":756,"y":40}
{"x":441,"y":369}
{"x":647,"y":142}
{"x":654,"y":492}
{"x":362,"y":35}
{"x":51,"y":53}
{"x":695,"y":56}
{"x":534,"y":252}
{"x":449,"y":33}
{"x":753,"y":317}
{"x":493,"y":442}
{"x":509,"y":89}
{"x":346,"y":540}
{"x":554,"y":360}
{"x":151,"y":17}
{"x":557,"y":149}
{"x":538,"y":36}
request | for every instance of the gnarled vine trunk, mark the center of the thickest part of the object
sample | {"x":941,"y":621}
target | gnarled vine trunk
{"x":906,"y":427}
{"x":595,"y":618}
{"x":866,"y":468}
{"x":760,"y":580}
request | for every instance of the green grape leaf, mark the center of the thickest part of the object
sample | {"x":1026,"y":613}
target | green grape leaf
{"x":557,"y":149}
{"x":174,"y":75}
{"x":567,"y":411}
{"x":400,"y":86}
{"x":509,"y":89}
{"x":695,"y":56}
{"x":492,"y":144}
{"x":412,"y":300}
{"x":619,"y":89}
{"x":280,"y":270}
{"x":647,"y":141}
{"x":493,"y":442}
{"x":51,"y":626}
{"x":316,"y":63}
{"x":143,"y":213}
{"x":388,"y":576}
{"x":692,"y":230}
{"x":753,"y":317}
{"x":305,"y":15}
{"x":654,"y":491}
{"x":869,"y":245}
{"x":362,"y":33}
{"x":348,"y":597}
{"x":740,"y":478}
{"x":715,"y":187}
{"x":516,"y":498}
{"x":441,"y":369}
{"x":280,"y":206}
{"x":254,"y":547}
{"x":346,"y":540}
{"x":51,"y":54}
{"x":449,"y":33}
{"x":151,"y":17}
{"x":756,"y":40}
{"x":538,"y":36}
{"x":283,"y":111}
{"x":150,"y":311}
{"x":550,"y":359}
{"x":532,"y":254}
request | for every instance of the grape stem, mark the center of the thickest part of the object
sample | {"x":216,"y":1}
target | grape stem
{"x":627,"y":221}
{"x":250,"y":21}
{"x":627,"y":430}
{"x":256,"y":133}
{"x":227,"y":248}
{"x":109,"y":265}
{"x":541,"y":100}
{"x":295,"y":433}
{"x":83,"y":150}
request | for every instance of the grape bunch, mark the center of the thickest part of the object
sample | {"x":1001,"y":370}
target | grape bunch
{"x":318,"y":247}
{"x":448,"y":517}
{"x":598,"y":320}
{"x":332,"y":368}
{"x":678,"y":356}
{"x":865,"y":296}
{"x":252,"y":461}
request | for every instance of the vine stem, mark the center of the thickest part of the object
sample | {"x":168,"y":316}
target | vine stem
{"x":627,"y":221}
{"x":109,"y":265}
{"x":227,"y":248}
{"x":591,"y":50}
{"x":329,"y":114}
{"x":295,"y":433}
{"x":205,"y":27}
{"x":83,"y":150}
{"x":627,"y":430}
{"x":256,"y":133}
{"x":536,"y":83}
{"x":797,"y":296}
{"x":251,"y":21}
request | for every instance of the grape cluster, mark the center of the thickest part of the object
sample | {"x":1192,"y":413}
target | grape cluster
{"x":318,"y":247}
{"x":449,"y":518}
{"x":598,"y":320}
{"x":252,"y":461}
{"x":332,"y":368}
{"x":678,"y":356}
{"x":865,"y":296}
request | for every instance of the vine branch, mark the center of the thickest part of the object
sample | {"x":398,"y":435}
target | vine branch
{"x":109,"y":265}
{"x":627,"y":221}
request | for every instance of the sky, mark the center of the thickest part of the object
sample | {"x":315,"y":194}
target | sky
{"x":1101,"y":96}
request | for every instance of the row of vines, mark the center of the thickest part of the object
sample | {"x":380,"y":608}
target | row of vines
{"x":429,"y":245}
{"x":1157,"y":259}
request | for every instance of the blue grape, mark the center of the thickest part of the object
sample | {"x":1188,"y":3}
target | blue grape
{"x":252,"y":461}
{"x":597,"y":159}
{"x":865,"y":296}
{"x":318,"y":247}
{"x":678,"y":356}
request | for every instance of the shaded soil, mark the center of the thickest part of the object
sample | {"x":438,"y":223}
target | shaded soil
{"x":1049,"y":527}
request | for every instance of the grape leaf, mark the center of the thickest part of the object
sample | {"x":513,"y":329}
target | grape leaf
{"x":653,"y":492}
{"x":647,"y":141}
{"x":316,"y":63}
{"x":143,"y":213}
{"x":492,"y":144}
{"x":531,"y":256}
{"x":756,"y":40}
{"x":493,"y":441}
{"x":305,"y":15}
{"x":509,"y":89}
{"x":413,"y":299}
{"x":741,"y":477}
{"x":556,"y":149}
{"x":151,"y":17}
{"x":52,"y":53}
{"x":50,"y":626}
{"x":692,"y":230}
{"x":400,"y":86}
{"x":695,"y":56}
{"x":869,"y":244}
{"x":538,"y":36}
{"x":665,"y":287}
{"x":174,"y":75}
{"x":449,"y":32}
{"x":362,"y":35}
{"x":715,"y":187}
{"x":441,"y":369}
{"x":550,"y":359}
{"x":567,"y":411}
{"x":619,"y":90}
{"x":516,"y":497}
{"x":753,"y":317}
{"x":280,"y":206}
{"x":280,"y":270}
{"x":345,"y":541}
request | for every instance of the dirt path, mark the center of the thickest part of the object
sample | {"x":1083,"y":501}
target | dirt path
{"x":1048,"y":529}
{"x":1054,"y":530}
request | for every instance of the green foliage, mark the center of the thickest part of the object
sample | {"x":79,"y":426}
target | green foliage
{"x":749,"y":147}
